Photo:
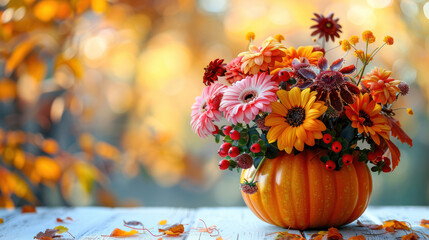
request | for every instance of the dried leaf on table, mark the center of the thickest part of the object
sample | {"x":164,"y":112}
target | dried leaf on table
{"x":410,"y":236}
{"x":48,"y":234}
{"x":424,"y":223}
{"x":28,"y":209}
{"x":1,"y":220}
{"x":359,"y":237}
{"x":219,"y":238}
{"x":395,"y":225}
{"x":288,"y":236}
{"x":333,"y":234}
{"x":175,"y":229}
{"x":162,"y":222}
{"x":318,"y":235}
{"x":61,"y":229}
{"x":60,"y":220}
{"x":133,"y":223}
{"x":121,"y":233}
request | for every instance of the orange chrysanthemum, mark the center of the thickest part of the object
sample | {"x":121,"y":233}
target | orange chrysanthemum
{"x":300,"y":53}
{"x":366,"y":117}
{"x":293,"y":120}
{"x":260,"y":58}
{"x":383,"y":87}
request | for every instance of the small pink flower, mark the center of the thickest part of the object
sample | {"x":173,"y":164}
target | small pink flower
{"x":243,"y":101}
{"x":233,"y":71}
{"x":206,"y":110}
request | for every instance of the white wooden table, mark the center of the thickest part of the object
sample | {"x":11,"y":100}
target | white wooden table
{"x":236,"y":223}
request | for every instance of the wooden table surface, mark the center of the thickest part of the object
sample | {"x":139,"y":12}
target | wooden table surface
{"x":236,"y":223}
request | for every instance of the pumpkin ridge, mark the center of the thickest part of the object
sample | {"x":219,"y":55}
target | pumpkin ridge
{"x":261,"y":193}
{"x":276,"y":195}
{"x":307,"y":192}
{"x":334,"y":202}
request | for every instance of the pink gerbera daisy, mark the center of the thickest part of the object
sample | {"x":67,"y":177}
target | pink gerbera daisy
{"x":246,"y":98}
{"x":206,"y":110}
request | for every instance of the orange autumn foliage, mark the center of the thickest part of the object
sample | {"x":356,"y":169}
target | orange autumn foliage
{"x":398,"y":132}
{"x":424,"y":223}
{"x":173,"y":230}
{"x":28,"y":209}
{"x":122,"y":233}
{"x":410,"y":236}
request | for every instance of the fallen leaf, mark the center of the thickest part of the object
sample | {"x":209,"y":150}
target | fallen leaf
{"x":360,"y":237}
{"x":28,"y":209}
{"x":1,"y":220}
{"x":396,"y":225}
{"x":48,"y":234}
{"x":219,"y":238}
{"x":288,"y":236}
{"x":424,"y":223}
{"x":334,"y":234}
{"x":375,"y":227}
{"x":410,"y":236}
{"x":121,"y":233}
{"x":175,"y":229}
{"x":60,"y":220}
{"x":162,"y":222}
{"x":133,"y":223}
{"x":61,"y":229}
{"x":318,"y":235}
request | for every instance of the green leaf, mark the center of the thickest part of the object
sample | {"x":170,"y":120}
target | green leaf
{"x":217,"y":138}
{"x":348,"y":133}
{"x":242,"y":141}
{"x":324,"y":158}
{"x":256,"y":161}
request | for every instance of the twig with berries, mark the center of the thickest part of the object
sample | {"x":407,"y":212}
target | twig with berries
{"x":250,"y":187}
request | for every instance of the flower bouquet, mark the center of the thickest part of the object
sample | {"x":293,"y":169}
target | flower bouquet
{"x":302,"y":128}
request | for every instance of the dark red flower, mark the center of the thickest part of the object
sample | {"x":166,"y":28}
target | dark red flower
{"x":213,"y":70}
{"x":326,"y":27}
{"x":332,"y":84}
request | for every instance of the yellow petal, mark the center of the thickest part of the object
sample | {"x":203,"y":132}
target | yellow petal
{"x":278,"y":108}
{"x":283,"y":96}
{"x":299,"y":144}
{"x":301,"y":133}
{"x":274,"y":119}
{"x":275,"y":131}
{"x":305,"y":96}
{"x":295,"y":97}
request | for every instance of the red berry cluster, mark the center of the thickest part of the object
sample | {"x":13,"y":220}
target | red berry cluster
{"x":382,"y":163}
{"x":331,"y":163}
{"x":240,"y":146}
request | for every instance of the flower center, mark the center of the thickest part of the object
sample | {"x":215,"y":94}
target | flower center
{"x":204,"y":107}
{"x":328,"y":24}
{"x":367,"y":122}
{"x":295,"y":116}
{"x":248,"y":95}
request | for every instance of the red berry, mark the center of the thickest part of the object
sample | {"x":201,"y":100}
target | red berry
{"x":330,"y":165}
{"x":379,"y":152}
{"x":372,"y":156}
{"x":216,"y":131}
{"x":249,"y":188}
{"x":233,"y":152}
{"x":244,"y":161}
{"x":386,"y":169}
{"x":347,"y":159}
{"x":386,"y":161}
{"x":234,"y":134}
{"x":223,"y":154}
{"x":284,"y":75}
{"x":224,"y":147}
{"x":224,"y":164}
{"x":327,"y":138}
{"x":336,"y":146}
{"x":255,"y":148}
{"x":226,"y":130}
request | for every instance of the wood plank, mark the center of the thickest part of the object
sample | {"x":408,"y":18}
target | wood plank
{"x":236,"y":223}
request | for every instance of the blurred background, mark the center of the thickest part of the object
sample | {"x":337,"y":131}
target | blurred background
{"x":95,"y":95}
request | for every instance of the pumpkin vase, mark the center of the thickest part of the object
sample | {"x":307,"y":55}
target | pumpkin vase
{"x":298,"y":192}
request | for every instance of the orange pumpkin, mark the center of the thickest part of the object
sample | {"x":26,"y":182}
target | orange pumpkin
{"x":298,"y":192}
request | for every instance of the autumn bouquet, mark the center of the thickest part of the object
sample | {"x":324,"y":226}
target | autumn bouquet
{"x":279,"y":99}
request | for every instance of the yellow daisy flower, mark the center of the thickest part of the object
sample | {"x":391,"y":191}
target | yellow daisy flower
{"x":293,"y":120}
{"x":307,"y":52}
